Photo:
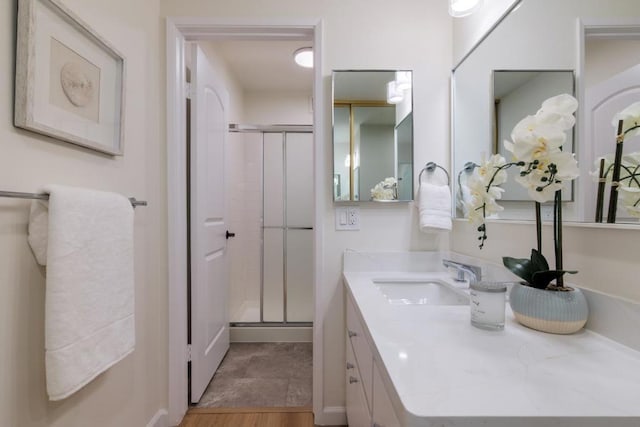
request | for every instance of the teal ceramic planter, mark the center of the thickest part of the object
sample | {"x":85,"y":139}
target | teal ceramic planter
{"x":549,"y":311}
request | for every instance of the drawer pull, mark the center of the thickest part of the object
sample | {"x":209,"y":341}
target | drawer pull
{"x":352,"y":380}
{"x":377,"y":425}
{"x":352,"y":334}
{"x":350,"y":365}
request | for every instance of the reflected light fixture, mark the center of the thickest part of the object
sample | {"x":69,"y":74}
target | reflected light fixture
{"x":403,"y":80}
{"x":460,"y":8}
{"x":394,"y":96}
{"x":304,"y":57}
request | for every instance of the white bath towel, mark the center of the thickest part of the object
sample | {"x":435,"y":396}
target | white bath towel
{"x":85,"y":238}
{"x":434,"y":207}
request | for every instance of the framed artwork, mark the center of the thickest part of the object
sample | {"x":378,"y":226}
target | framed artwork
{"x":69,"y":80}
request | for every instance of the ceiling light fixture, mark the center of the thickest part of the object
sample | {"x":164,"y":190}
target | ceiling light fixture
{"x":304,"y":57}
{"x":460,"y":8}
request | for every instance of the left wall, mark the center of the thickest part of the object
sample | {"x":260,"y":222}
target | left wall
{"x":132,"y":392}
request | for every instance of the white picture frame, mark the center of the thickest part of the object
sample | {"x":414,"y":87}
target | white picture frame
{"x":69,"y":80}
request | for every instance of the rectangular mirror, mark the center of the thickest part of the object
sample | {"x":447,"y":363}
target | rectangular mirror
{"x":372,"y":136}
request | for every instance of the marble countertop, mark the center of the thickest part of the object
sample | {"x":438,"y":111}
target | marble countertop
{"x":445,"y":372}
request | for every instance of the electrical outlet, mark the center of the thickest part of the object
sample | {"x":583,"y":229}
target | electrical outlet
{"x":348,"y":218}
{"x":353,"y":217}
{"x":546,"y":212}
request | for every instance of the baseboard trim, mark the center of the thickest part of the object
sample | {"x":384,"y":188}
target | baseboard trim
{"x":160,"y":419}
{"x":270,"y":334}
{"x":257,"y":410}
{"x":331,"y":416}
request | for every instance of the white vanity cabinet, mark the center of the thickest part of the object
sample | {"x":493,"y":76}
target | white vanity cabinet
{"x":368,"y":403}
{"x":383,"y":413}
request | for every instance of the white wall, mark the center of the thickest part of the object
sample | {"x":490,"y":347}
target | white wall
{"x":131,"y":392}
{"x":606,"y":58}
{"x":371,"y":40}
{"x":468,"y":30}
{"x":604,"y":257}
{"x":290,"y":108}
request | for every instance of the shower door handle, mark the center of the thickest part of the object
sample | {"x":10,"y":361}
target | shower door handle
{"x":227,"y":235}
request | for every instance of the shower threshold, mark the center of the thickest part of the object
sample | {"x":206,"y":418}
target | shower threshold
{"x":271,"y":331}
{"x":270,"y":324}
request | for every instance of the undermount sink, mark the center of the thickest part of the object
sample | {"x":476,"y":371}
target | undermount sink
{"x":420,"y":292}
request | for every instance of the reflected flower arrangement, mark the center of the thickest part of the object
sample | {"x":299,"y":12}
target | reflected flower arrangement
{"x":627,"y":177}
{"x":385,"y":190}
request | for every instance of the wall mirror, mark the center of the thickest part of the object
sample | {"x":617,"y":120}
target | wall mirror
{"x":602,"y":63}
{"x":372,"y":135}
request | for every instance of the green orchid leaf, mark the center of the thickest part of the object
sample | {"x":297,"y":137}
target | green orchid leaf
{"x":521,"y":267}
{"x":538,"y":261}
{"x":541,"y":279}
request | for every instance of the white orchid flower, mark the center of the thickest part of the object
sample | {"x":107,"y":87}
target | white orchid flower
{"x":533,"y":140}
{"x":539,"y":191}
{"x":537,"y":181}
{"x":389,"y":181}
{"x":631,"y":159}
{"x":630,"y":198}
{"x":488,"y":168}
{"x":484,"y":191}
{"x":558,"y":111}
{"x":566,"y":166}
{"x":630,"y":117}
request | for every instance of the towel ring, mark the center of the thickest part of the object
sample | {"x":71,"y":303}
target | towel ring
{"x":430,"y":167}
{"x":468,"y":168}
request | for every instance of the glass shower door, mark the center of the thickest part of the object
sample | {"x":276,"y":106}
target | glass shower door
{"x":287,"y":255}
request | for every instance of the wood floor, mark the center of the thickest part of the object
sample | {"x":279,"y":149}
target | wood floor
{"x":248,"y":417}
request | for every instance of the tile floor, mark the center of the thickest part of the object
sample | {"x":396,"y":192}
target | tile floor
{"x":261,"y":375}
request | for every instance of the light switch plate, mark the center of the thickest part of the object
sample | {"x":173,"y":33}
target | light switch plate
{"x":347,"y":218}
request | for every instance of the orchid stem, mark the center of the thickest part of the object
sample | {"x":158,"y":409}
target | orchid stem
{"x":538,"y":227}
{"x":613,"y":196}
{"x":557,"y":234}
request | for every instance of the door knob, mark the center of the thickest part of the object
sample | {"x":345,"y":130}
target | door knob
{"x":227,"y":235}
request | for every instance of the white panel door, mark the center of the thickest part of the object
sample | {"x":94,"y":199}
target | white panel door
{"x":209,"y":272}
{"x":602,"y":102}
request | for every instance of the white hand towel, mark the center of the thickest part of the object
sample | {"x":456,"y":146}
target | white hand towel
{"x":434,"y":207}
{"x":86,"y":239}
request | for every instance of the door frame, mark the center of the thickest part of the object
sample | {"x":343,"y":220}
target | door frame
{"x":178,"y":31}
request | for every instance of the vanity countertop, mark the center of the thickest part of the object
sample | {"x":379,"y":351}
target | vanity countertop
{"x":445,"y":372}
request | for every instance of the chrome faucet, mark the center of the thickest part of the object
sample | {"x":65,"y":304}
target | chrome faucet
{"x":474,"y":272}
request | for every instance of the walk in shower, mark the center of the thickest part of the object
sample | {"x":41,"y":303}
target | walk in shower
{"x":271,"y":211}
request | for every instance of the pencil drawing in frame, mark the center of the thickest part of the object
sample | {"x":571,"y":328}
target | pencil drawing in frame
{"x":69,"y":80}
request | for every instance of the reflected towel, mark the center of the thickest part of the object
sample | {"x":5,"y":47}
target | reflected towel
{"x":434,"y":207}
{"x":463,"y":199}
{"x":85,"y":238}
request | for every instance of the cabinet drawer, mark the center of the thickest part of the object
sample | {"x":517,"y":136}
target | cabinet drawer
{"x":358,"y":412}
{"x":361,"y":349}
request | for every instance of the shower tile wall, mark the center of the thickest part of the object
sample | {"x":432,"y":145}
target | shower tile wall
{"x":244,"y":159}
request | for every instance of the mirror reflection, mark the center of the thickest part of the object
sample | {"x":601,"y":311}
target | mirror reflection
{"x":372,"y":136}
{"x":516,"y":94}
{"x":604,"y":58}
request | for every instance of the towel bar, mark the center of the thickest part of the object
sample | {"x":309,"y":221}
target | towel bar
{"x":430,"y":167}
{"x":44,"y":196}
